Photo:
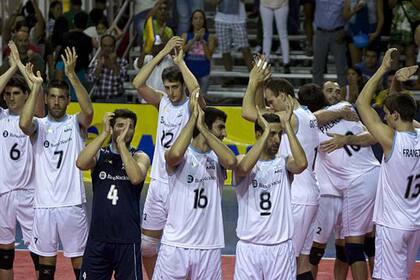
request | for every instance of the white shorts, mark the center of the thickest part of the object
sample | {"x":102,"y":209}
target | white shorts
{"x":16,"y":205}
{"x":182,"y":263}
{"x":265,"y":262}
{"x":66,"y":224}
{"x":358,"y":204}
{"x":155,"y":212}
{"x":304,"y":220}
{"x":395,"y":252}
{"x":328,"y":219}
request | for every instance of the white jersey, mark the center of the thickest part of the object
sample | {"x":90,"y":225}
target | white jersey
{"x":59,"y":182}
{"x":194,"y":209}
{"x":342,"y":166}
{"x":264,"y":209}
{"x":305,"y":189}
{"x":397,"y":203}
{"x":171,"y":120}
{"x":16,"y":155}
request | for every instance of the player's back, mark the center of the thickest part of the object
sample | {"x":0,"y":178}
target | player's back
{"x":115,"y":206}
{"x":16,"y":155}
{"x":57,"y":144}
{"x":195,"y":210}
{"x":171,"y":120}
{"x":264,"y":209}
{"x":397,"y":203}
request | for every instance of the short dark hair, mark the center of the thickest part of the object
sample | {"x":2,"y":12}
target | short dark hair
{"x":124,"y":114}
{"x":81,"y":20}
{"x":76,"y":2}
{"x":109,"y":36}
{"x":311,"y":95}
{"x":18,"y":81}
{"x":172,"y":74}
{"x":211,"y":114}
{"x":58,"y":84}
{"x":402,"y":103}
{"x":53,"y":4}
{"x":278,"y":86}
{"x":270,"y":118}
{"x":20,"y":24}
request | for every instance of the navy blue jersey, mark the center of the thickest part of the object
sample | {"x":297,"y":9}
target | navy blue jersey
{"x":115,"y":207}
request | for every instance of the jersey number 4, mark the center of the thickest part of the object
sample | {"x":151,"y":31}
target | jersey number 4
{"x":113,"y":194}
{"x":409,"y":193}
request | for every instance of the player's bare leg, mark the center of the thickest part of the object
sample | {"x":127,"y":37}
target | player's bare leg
{"x":341,"y":267}
{"x":47,"y":267}
{"x":355,"y":256}
{"x":303,"y":268}
{"x":77,"y":264}
{"x":149,"y":254}
{"x":317,"y":252}
{"x":7,"y":253}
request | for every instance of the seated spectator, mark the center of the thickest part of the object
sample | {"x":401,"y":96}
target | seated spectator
{"x":22,"y":26}
{"x":75,"y":8}
{"x":354,"y":86}
{"x":99,"y":29}
{"x":199,"y":48}
{"x":55,"y":11}
{"x":370,"y":63}
{"x":97,"y":13}
{"x":230,"y":23}
{"x":108,"y":72}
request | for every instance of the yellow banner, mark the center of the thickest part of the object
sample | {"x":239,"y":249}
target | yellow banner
{"x":240,"y":133}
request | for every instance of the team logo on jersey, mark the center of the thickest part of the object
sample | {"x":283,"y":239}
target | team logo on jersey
{"x":102,"y":175}
{"x":5,"y":133}
{"x":66,"y":129}
{"x":254,"y":183}
{"x":210,"y":164}
{"x":46,"y":143}
{"x":190,"y":179}
{"x":313,"y":123}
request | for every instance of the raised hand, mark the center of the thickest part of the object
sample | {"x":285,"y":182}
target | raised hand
{"x":178,"y":57}
{"x":14,"y":57}
{"x":261,"y":121}
{"x":36,"y":80}
{"x":289,"y":111}
{"x":337,"y":141}
{"x":387,"y":60}
{"x":121,"y":137}
{"x":405,"y":73}
{"x":349,"y":115}
{"x":107,"y":122}
{"x":201,"y":125}
{"x":70,"y":61}
{"x":175,"y":41}
{"x":261,"y":70}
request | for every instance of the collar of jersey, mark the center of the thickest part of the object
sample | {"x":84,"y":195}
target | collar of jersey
{"x":64,"y":118}
{"x":198,"y":151}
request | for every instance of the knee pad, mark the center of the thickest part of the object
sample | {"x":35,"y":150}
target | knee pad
{"x":6,"y":258}
{"x":369,"y":246}
{"x":35,"y":260}
{"x":149,"y":246}
{"x":305,"y":276}
{"x":316,"y":255}
{"x":355,"y":253}
{"x":340,"y":253}
{"x":46,"y":272}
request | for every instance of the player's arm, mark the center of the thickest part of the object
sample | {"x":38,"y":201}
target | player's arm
{"x":259,"y":73}
{"x":175,"y":154}
{"x":4,"y":79}
{"x":338,"y":141}
{"x":87,"y":157}
{"x":325,"y":116}
{"x":382,"y":132}
{"x":85,"y":115}
{"x":26,"y":120}
{"x":149,"y":94}
{"x":296,"y":163}
{"x":226,"y":157}
{"x":136,"y":166}
{"x":248,"y":161}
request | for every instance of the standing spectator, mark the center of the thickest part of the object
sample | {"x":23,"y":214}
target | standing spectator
{"x":184,"y":9}
{"x":369,"y":65}
{"x":308,"y":10}
{"x":231,"y":28}
{"x":406,"y":16}
{"x":55,"y":11}
{"x":329,"y":37}
{"x":279,"y":9}
{"x":354,"y":86}
{"x":98,"y":12}
{"x":55,"y":44}
{"x":75,"y":7}
{"x":365,"y":17}
{"x":199,"y":47}
{"x":141,"y":11}
{"x":108,"y":71}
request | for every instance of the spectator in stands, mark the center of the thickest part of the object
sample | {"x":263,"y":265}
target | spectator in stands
{"x":108,"y":72}
{"x":99,"y":29}
{"x":97,"y":13}
{"x":329,"y":37}
{"x":22,"y":26}
{"x":55,"y":44}
{"x":308,"y":10}
{"x":142,"y":9}
{"x":75,"y":8}
{"x":278,"y":9}
{"x":364,"y":17}
{"x":55,"y":11}
{"x":231,"y":28}
{"x":406,"y":15}
{"x":354,"y":86}
{"x":184,"y":9}
{"x":21,"y":40}
{"x":370,"y":63}
{"x":199,"y":46}
{"x":83,"y":44}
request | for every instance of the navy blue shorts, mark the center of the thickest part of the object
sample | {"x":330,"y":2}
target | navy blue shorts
{"x":101,"y":259}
